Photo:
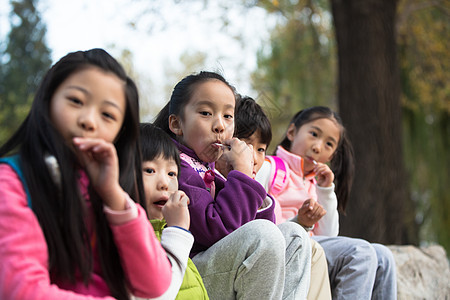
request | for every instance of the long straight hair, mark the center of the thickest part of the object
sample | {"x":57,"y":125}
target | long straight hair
{"x":342,"y":162}
{"x":61,"y":215}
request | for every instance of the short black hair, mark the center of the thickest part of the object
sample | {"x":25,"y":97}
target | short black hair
{"x":249,"y":118}
{"x":155,"y":143}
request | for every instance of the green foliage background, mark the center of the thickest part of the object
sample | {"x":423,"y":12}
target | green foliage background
{"x":23,"y":63}
{"x":299,"y":70}
{"x":423,"y":32}
{"x":296,"y":69}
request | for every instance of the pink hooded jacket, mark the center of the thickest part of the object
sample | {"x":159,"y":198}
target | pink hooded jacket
{"x":296,"y":189}
{"x":24,"y":270}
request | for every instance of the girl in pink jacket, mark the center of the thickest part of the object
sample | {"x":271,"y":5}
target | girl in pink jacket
{"x":303,"y":186}
{"x":68,"y":226}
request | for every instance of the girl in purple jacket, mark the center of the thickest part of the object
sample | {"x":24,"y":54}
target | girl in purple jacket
{"x":238,"y":249}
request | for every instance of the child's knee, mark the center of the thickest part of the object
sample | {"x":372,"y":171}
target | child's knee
{"x":292,"y":229}
{"x":362,"y":251}
{"x":265,"y":236}
{"x":384,"y":256}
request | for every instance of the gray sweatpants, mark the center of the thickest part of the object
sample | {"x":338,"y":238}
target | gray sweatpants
{"x":359,"y":269}
{"x":259,"y":260}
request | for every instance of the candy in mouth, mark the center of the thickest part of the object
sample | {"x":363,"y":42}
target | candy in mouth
{"x":222,"y":145}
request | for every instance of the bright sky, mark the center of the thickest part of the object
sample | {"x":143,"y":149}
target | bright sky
{"x":188,"y":26}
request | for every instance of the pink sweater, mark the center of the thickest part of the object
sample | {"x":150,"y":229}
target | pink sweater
{"x":297,"y":190}
{"x":24,"y":270}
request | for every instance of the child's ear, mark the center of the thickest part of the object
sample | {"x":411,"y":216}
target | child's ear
{"x":175,"y":125}
{"x":290,"y":133}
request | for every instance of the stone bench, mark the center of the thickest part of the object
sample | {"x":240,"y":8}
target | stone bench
{"x":422,"y":273}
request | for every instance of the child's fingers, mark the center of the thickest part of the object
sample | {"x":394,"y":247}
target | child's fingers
{"x":184,"y":201}
{"x":325,"y":176}
{"x":179,"y":198}
{"x":312,"y":212}
{"x":94,"y":147}
{"x":240,"y":157}
{"x":319,"y":213}
{"x":320,"y":168}
{"x":323,"y":212}
{"x":310,"y":204}
{"x":85,"y":143}
{"x":305,"y":208}
{"x":184,"y":197}
{"x":236,"y":145}
{"x":315,"y":212}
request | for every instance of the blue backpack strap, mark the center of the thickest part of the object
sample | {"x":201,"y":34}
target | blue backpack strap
{"x":14,"y":162}
{"x":279,"y":173}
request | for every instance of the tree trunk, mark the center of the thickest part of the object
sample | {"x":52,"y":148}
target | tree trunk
{"x":379,"y":209}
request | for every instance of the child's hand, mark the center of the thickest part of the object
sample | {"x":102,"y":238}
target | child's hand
{"x":324,"y":175}
{"x":99,"y":159}
{"x":310,"y":213}
{"x":239,"y":156}
{"x":223,"y":166}
{"x":176,"y":211}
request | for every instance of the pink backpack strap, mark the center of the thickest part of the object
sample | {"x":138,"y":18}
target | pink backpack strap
{"x":279,"y":172}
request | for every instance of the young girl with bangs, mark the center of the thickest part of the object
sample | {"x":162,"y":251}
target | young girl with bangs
{"x":303,"y":184}
{"x":69,"y":228}
{"x":238,"y":250}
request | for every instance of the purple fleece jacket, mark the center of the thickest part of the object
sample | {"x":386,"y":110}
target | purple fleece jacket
{"x":236,"y":202}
